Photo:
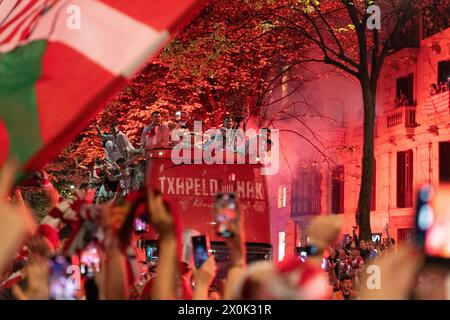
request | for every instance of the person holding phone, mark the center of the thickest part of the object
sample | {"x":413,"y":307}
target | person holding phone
{"x":203,"y":277}
{"x":229,"y":225}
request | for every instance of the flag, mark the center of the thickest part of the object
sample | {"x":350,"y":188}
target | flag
{"x":436,"y":106}
{"x":61,"y":60}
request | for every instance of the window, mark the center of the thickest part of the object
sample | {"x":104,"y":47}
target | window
{"x":281,"y":245}
{"x":405,"y":87}
{"x":443,"y":71}
{"x":404,"y":179}
{"x":282,"y":191}
{"x":373,"y":197}
{"x":405,"y":236}
{"x":307,"y":192}
{"x":337,"y":189}
{"x":444,"y":161}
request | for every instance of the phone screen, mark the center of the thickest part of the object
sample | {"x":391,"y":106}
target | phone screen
{"x":149,"y":253}
{"x":90,"y":261}
{"x":225,"y":213}
{"x":303,"y":256}
{"x":140,"y":226}
{"x":62,"y":286}
{"x":200,"y":247}
{"x":433,"y":222}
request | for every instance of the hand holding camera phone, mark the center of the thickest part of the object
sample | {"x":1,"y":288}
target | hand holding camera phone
{"x":90,"y":261}
{"x":62,"y":285}
{"x":200,"y":245}
{"x":433,"y":223}
{"x":226,"y":213}
{"x":140,"y":226}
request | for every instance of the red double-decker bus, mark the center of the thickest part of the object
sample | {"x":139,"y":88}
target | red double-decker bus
{"x":191,"y":189}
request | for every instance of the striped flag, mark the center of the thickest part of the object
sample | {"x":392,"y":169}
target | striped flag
{"x":60,"y":60}
{"x":436,"y":106}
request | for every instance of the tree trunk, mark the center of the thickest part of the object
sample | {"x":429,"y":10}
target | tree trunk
{"x":365,"y":193}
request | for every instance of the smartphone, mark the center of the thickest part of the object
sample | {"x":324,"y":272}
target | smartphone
{"x":307,"y":251}
{"x":225,"y":213}
{"x":200,"y":246}
{"x":303,"y":256}
{"x":90,"y":261}
{"x":63,"y":285}
{"x":140,"y":226}
{"x":324,"y":265}
{"x":149,"y":253}
{"x":432,"y":223}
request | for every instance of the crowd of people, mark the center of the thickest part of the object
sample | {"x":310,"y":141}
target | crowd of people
{"x":30,"y":254}
{"x":93,"y":231}
{"x":347,"y":263}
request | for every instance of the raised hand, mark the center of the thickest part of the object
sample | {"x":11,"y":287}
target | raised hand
{"x":160,"y":216}
{"x":37,"y":272}
{"x":203,"y":277}
{"x":16,"y":222}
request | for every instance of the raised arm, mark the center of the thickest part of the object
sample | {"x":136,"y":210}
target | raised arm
{"x":15,"y":222}
{"x":79,"y":165}
{"x":115,"y":281}
{"x":94,"y":172}
{"x":355,"y":237}
{"x":203,"y":278}
{"x":238,"y":258}
{"x":164,"y":286}
{"x":103,"y":137}
{"x":386,"y":227}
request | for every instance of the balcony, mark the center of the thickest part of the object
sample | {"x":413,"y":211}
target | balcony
{"x":401,"y":116}
{"x":436,"y":106}
{"x":401,"y":120}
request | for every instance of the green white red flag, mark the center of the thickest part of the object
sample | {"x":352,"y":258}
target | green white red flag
{"x":60,"y":60}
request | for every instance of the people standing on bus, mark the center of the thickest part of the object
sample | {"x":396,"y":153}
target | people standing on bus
{"x":183,"y":122}
{"x":257,"y":145}
{"x":112,"y":153}
{"x":120,"y":141}
{"x":229,"y":137}
{"x":182,"y":129}
{"x":155,"y":135}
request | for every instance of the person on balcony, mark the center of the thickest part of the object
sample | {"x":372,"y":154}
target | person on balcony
{"x":433,"y":89}
{"x":443,"y":87}
{"x":401,"y":100}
